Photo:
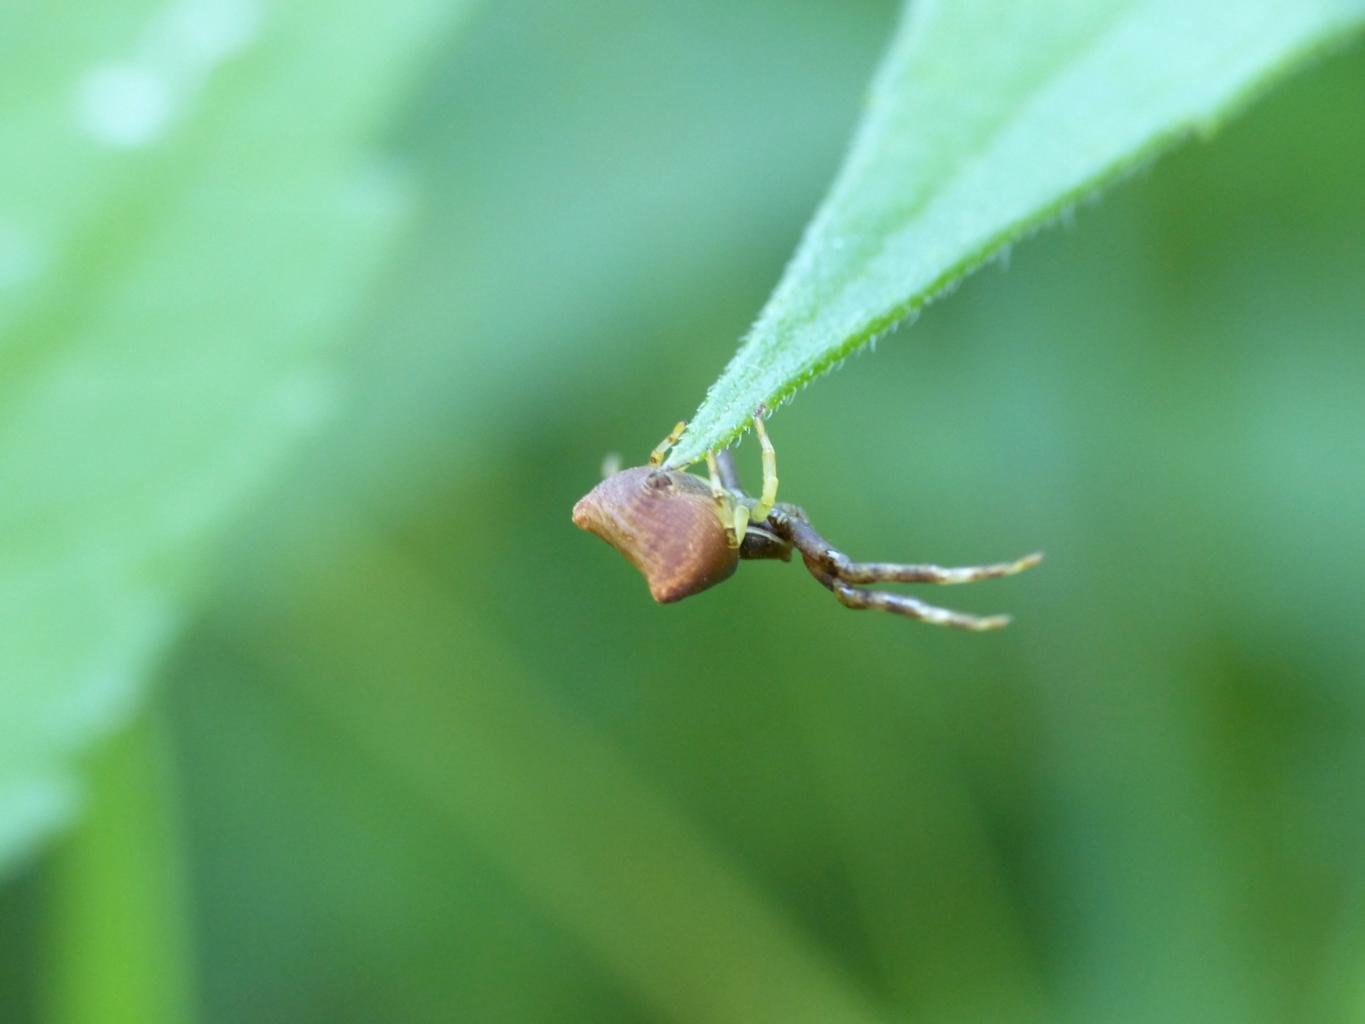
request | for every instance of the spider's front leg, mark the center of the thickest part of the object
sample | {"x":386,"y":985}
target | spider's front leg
{"x":656,"y":457}
{"x":839,"y":574}
{"x":903,"y":604}
{"x":895,"y":572}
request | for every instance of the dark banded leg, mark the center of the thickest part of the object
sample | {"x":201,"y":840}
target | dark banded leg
{"x":903,"y":604}
{"x":729,"y":474}
{"x":839,"y":573}
{"x":892,"y":572}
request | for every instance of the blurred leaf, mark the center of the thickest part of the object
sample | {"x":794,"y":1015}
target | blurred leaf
{"x":986,"y":119}
{"x":559,"y":809}
{"x":202,"y":219}
{"x":119,"y":947}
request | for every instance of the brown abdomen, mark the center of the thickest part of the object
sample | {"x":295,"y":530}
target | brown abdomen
{"x":666,"y":525}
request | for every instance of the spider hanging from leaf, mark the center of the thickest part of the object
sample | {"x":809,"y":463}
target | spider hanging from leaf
{"x":685,"y":535}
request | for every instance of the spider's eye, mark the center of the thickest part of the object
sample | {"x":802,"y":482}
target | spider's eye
{"x":659,"y":481}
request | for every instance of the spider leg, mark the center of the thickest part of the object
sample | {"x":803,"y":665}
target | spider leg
{"x":903,"y":604}
{"x":838,"y":573}
{"x":656,"y":457}
{"x":734,"y":516}
{"x":758,"y":512}
{"x":894,"y":572}
{"x":769,"y":496}
{"x":759,"y":541}
{"x":729,"y":474}
{"x":741,"y":514}
{"x":819,"y":551}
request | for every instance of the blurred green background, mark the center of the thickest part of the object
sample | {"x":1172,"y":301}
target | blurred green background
{"x":425,"y":752}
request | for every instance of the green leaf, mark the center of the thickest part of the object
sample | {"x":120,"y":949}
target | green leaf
{"x":119,"y":947}
{"x":194,"y":218}
{"x":986,"y":119}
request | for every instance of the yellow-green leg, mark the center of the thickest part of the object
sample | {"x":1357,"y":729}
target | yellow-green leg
{"x":734,"y":517}
{"x":769,"y":496}
{"x":656,"y":457}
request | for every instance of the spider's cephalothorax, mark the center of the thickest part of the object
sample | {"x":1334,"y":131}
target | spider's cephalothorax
{"x":685,"y":535}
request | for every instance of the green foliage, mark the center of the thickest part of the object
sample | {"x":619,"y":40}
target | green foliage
{"x":987,"y":118}
{"x":182,"y":247}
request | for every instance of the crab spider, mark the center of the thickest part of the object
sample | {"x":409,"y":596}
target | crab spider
{"x":686,"y":534}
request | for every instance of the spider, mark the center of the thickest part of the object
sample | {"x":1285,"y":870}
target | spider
{"x":685,"y":535}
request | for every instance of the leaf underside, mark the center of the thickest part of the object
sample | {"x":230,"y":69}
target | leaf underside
{"x":986,"y":119}
{"x":181,"y":246}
